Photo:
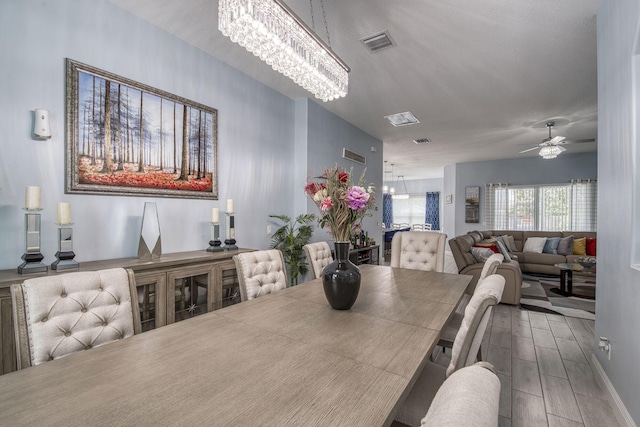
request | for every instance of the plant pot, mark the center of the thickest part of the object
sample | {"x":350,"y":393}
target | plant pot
{"x":341,"y":279}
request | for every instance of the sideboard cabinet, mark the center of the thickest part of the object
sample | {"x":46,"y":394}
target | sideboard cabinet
{"x":171,"y":288}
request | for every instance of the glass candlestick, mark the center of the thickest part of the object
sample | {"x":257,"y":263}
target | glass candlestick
{"x":32,"y":257}
{"x":65,"y":255}
{"x":214,"y":243}
{"x":230,"y":242}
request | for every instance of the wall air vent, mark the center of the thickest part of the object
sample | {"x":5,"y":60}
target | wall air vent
{"x":377,"y":42}
{"x":358,"y":158}
{"x":422,"y":141}
{"x":402,"y":119}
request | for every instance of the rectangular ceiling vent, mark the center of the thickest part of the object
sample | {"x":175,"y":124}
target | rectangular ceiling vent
{"x":402,"y":119}
{"x":377,"y":42}
{"x":358,"y":158}
{"x":422,"y":141}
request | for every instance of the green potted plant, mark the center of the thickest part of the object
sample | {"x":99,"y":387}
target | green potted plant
{"x":290,"y":238}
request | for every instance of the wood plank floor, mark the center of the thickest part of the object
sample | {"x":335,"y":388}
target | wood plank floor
{"x":542,"y":361}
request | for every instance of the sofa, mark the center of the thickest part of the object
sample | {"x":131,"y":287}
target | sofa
{"x":519,"y":261}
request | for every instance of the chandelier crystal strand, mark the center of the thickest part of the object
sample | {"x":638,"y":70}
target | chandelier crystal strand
{"x":270,"y":30}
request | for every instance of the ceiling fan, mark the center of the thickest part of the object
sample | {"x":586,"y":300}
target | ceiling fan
{"x":552,"y":146}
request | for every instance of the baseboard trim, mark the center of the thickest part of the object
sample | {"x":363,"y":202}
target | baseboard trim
{"x":622,"y":413}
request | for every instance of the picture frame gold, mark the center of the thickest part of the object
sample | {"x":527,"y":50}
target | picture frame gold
{"x":127,"y":138}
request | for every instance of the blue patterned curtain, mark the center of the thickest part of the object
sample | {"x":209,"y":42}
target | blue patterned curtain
{"x":387,"y":210}
{"x":432,"y":211}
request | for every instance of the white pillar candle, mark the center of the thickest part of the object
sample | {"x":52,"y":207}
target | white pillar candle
{"x":64,"y":213}
{"x":229,"y":205}
{"x":32,"y":198}
{"x":215,"y":215}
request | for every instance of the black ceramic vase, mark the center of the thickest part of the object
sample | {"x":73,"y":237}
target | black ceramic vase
{"x":341,"y":279}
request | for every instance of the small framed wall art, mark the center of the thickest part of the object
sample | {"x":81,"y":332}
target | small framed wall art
{"x":472,"y":204}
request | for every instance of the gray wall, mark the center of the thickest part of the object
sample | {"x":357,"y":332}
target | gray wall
{"x":261,"y":152}
{"x":521,"y":171}
{"x":327,"y":136}
{"x":618,"y":317}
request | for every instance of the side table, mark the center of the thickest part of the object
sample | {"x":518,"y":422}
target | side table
{"x":566,"y":280}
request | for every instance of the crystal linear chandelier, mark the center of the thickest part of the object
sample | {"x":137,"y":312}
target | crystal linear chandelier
{"x":272,"y":32}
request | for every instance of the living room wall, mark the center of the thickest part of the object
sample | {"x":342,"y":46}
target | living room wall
{"x":256,"y":132}
{"x":521,"y":171}
{"x":617,"y":314}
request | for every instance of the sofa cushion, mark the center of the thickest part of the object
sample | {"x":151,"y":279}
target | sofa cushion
{"x":534,"y":244}
{"x":591,"y":247}
{"x":477,"y":236}
{"x":510,"y":242}
{"x":541,"y":258}
{"x":580,"y":246}
{"x":565,"y":246}
{"x":551,"y":246}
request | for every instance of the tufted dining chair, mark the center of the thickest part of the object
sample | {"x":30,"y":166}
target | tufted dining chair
{"x":464,"y":351}
{"x":260,"y":273}
{"x":55,"y":316}
{"x":453,"y":324}
{"x":471,"y":395}
{"x":319,"y":256}
{"x":418,"y":250}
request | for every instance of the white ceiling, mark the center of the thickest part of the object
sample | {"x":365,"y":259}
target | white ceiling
{"x":482,"y":76}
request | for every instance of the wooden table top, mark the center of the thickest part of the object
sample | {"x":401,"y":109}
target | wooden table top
{"x":281,"y":359}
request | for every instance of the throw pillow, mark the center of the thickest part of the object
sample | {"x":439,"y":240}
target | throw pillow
{"x":591,"y":247}
{"x":503,"y":251}
{"x":551,"y":247}
{"x":580,"y":246}
{"x":481,"y":254}
{"x":534,"y":244}
{"x":491,"y":246}
{"x":501,"y":240}
{"x":510,"y":242}
{"x":565,"y":246}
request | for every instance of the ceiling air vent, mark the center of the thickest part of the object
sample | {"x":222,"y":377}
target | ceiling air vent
{"x":402,"y":119}
{"x":377,"y":42}
{"x":358,"y":158}
{"x":422,"y":141}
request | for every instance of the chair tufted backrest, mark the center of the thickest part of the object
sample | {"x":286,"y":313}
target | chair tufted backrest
{"x":474,"y":323}
{"x":418,"y":250}
{"x":470,"y":396}
{"x":55,"y":316}
{"x":260,"y":273}
{"x":490,"y":266}
{"x":318,"y":256}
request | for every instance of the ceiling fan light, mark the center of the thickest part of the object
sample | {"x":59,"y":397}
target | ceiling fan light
{"x":550,"y":152}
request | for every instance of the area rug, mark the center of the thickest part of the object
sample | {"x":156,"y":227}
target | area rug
{"x":537,"y":296}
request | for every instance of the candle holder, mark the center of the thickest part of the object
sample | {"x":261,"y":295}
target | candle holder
{"x":65,"y":255}
{"x":32,"y":257}
{"x":214,"y":243}
{"x":230,"y":242}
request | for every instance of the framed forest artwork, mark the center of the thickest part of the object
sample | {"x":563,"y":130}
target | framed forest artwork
{"x":127,"y":138}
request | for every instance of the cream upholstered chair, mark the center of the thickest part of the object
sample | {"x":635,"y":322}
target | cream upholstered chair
{"x":471,"y":395}
{"x":465,"y":349}
{"x":260,"y":273}
{"x":418,"y":250}
{"x":55,"y":316}
{"x":453,"y":324}
{"x":318,"y":256}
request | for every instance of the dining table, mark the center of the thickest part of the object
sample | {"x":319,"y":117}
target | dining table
{"x":283,"y":359}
